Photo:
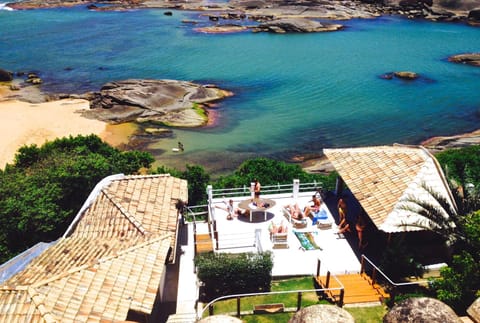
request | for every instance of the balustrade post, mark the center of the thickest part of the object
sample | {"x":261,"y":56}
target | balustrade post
{"x":362,"y":265}
{"x":299,"y":301}
{"x":238,"y":306}
{"x":318,"y":267}
{"x":296,"y":189}
{"x":210,"y":194}
{"x":327,"y":281}
{"x":374,"y":275}
{"x":210,"y":310}
{"x":342,"y":295}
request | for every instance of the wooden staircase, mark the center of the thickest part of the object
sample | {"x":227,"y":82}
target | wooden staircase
{"x":203,"y":243}
{"x":358,"y":288}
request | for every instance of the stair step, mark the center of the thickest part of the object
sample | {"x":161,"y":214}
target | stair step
{"x":357,"y":288}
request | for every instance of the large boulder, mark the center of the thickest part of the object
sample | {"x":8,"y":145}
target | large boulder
{"x":295,"y":25}
{"x":175,"y":103}
{"x":5,"y":76}
{"x":421,"y":309}
{"x":474,"y":15}
{"x":322,"y":313}
{"x":473,"y":311}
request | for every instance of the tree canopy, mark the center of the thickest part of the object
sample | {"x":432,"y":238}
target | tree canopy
{"x":43,"y":189}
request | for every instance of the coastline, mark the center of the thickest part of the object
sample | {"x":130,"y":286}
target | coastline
{"x":26,"y":123}
{"x":28,"y":119}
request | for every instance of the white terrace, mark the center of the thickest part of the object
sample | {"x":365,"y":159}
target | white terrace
{"x":241,"y":235}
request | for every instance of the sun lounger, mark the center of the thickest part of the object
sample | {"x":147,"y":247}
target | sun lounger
{"x":321,"y":220}
{"x":298,"y":224}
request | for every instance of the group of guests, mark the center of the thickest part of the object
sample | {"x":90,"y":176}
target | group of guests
{"x":344,"y":225}
{"x":233,"y":212}
{"x":298,"y":214}
{"x":312,"y":208}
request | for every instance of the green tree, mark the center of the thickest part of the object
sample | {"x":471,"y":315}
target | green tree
{"x":197,"y":179}
{"x":462,"y":165}
{"x":459,"y":284}
{"x":45,"y":187}
{"x":271,"y":172}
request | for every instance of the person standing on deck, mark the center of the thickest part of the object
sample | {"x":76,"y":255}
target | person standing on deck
{"x":256,"y":188}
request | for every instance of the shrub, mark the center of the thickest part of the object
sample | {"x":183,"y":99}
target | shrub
{"x":226,"y":274}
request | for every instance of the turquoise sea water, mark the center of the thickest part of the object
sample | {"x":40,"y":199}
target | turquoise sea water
{"x":294,"y":94}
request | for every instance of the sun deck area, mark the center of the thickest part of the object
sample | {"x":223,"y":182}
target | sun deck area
{"x":290,"y":256}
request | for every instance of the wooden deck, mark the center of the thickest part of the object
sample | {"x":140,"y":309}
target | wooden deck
{"x":357,"y":289}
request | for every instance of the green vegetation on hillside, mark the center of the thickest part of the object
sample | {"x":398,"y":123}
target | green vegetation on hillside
{"x":46,"y":186}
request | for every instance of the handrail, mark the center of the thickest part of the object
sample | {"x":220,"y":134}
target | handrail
{"x":264,"y":293}
{"x":265,"y":189}
{"x":340,"y":288}
{"x":386,"y":277}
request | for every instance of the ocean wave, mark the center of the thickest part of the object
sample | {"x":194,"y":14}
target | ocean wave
{"x":3,"y":6}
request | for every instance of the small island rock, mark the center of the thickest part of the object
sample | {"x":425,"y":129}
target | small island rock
{"x":295,"y":25}
{"x":470,"y":59}
{"x":406,"y":75}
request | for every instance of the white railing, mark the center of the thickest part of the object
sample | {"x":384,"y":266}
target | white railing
{"x":294,"y":188}
{"x":393,"y":285}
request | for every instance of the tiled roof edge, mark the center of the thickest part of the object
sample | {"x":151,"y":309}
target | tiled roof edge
{"x":166,"y":236}
{"x":127,"y":177}
{"x":129,"y":217}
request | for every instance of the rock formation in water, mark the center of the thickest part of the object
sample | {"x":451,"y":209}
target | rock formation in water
{"x":438,"y":10}
{"x":174,"y":103}
{"x":470,"y":59}
{"x":295,"y":25}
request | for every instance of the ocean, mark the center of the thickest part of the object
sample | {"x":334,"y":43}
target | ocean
{"x":294,"y":93}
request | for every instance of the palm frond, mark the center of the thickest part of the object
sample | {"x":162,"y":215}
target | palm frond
{"x":437,"y":214}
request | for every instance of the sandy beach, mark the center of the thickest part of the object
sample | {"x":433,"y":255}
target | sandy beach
{"x":25,"y":123}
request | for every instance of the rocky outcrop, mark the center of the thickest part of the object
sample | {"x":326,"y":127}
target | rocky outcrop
{"x":169,"y":102}
{"x":457,"y":141}
{"x":421,"y":309}
{"x":438,"y":10}
{"x":295,"y":25}
{"x":221,"y":29}
{"x":470,"y":59}
{"x":5,"y":76}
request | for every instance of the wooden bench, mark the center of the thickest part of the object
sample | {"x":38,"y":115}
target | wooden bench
{"x":268,"y":308}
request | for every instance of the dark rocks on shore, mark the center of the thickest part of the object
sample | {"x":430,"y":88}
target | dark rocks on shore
{"x":295,"y":25}
{"x":5,"y":76}
{"x":470,"y":59}
{"x":174,"y":103}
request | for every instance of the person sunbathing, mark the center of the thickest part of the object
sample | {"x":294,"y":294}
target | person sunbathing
{"x":232,"y":212}
{"x":314,"y":208}
{"x":295,"y":211}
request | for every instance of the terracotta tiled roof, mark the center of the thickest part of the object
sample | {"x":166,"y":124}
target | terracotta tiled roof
{"x":134,"y":206}
{"x":379,"y":177}
{"x":95,"y":282}
{"x":112,"y":259}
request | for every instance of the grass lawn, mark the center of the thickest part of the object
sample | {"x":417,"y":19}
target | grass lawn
{"x":361,"y":314}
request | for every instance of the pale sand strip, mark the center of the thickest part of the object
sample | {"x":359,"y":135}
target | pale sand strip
{"x":26,"y":123}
